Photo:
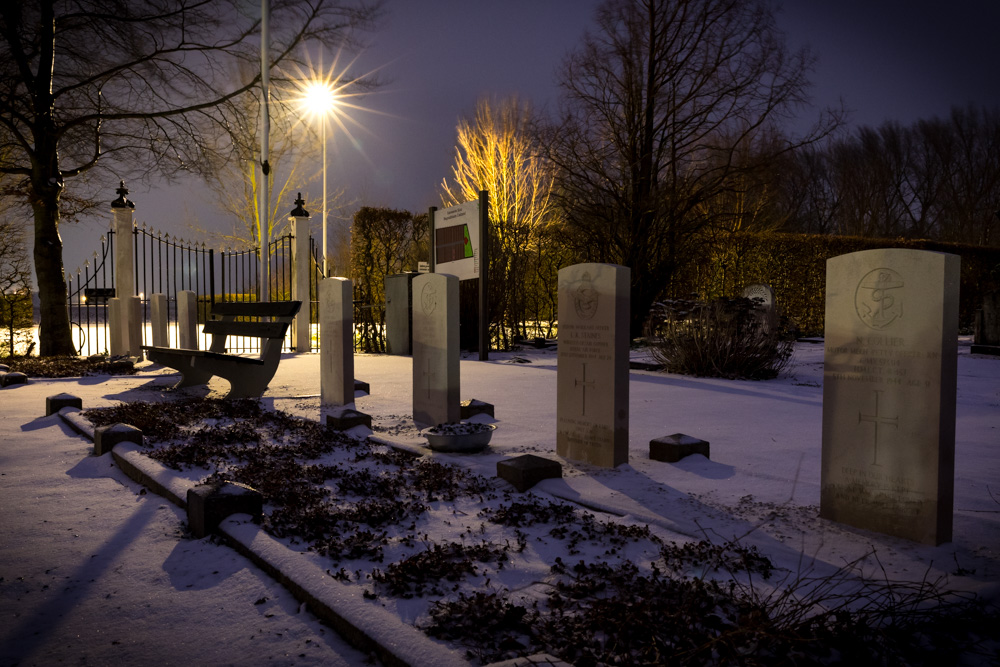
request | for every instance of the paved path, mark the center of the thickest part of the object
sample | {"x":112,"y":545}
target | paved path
{"x":93,"y":573}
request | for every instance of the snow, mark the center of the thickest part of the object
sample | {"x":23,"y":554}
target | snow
{"x":93,"y":569}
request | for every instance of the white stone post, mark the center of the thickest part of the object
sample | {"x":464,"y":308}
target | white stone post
{"x":158,"y":317}
{"x":301,"y":267}
{"x":122,"y":209}
{"x":187,"y":320}
{"x":336,"y":344}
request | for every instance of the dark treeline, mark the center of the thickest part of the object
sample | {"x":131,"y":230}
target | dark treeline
{"x":935,"y":179}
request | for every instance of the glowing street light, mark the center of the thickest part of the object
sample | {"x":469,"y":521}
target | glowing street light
{"x":319,"y":100}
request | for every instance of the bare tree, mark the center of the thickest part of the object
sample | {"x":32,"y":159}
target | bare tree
{"x":133,"y":87}
{"x":497,"y":151}
{"x":656,"y":105}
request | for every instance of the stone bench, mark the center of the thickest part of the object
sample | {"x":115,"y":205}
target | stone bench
{"x":248,"y":376}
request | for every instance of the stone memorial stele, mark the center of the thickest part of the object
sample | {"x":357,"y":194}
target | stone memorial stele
{"x":888,"y":461}
{"x":764,"y":303}
{"x":592,"y":378}
{"x":435,"y":349}
{"x":336,"y":342}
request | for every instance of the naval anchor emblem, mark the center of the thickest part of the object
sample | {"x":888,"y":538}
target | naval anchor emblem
{"x":879,"y":298}
{"x":585,"y":297}
{"x":428,"y":299}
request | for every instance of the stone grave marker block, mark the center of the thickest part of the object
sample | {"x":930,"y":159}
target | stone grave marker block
{"x":888,"y":461}
{"x":592,"y":368}
{"x":348,"y":419}
{"x":474,"y":406}
{"x":435,"y":349}
{"x":527,"y":470}
{"x":672,"y":448}
{"x":336,"y":341}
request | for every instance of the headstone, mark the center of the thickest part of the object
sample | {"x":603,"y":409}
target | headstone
{"x":592,"y":379}
{"x":527,"y":470}
{"x":763,"y":298}
{"x":117,"y":328}
{"x":187,"y":320}
{"x":435,"y":349}
{"x":134,"y":304}
{"x":987,"y":325}
{"x":888,"y":460}
{"x":672,"y":448}
{"x":159,"y":319}
{"x":336,"y":341}
{"x":398,"y":320}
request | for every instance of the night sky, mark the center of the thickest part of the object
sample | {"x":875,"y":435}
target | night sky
{"x":888,"y":60}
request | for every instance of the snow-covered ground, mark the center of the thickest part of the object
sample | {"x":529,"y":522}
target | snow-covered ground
{"x":93,"y":572}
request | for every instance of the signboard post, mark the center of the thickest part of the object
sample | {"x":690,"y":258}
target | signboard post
{"x":459,"y":246}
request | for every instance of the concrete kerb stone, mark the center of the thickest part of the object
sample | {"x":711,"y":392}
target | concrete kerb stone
{"x":54,"y":404}
{"x":8,"y":378}
{"x":106,"y":437}
{"x":209,"y":504}
{"x":365,"y":626}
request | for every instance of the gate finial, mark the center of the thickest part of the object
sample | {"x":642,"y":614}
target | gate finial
{"x":298,"y":211}
{"x":122,"y":201}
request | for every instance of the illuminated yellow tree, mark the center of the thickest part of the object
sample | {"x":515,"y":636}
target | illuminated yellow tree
{"x":496,"y":151}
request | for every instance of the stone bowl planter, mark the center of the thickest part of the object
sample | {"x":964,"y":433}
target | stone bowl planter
{"x":465,"y":437}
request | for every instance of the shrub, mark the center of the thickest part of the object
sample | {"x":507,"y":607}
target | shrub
{"x":732,"y":338}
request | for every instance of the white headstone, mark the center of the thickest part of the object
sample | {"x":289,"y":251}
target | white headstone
{"x":889,"y":392}
{"x":435,"y":349}
{"x":592,"y":378}
{"x":187,"y":320}
{"x":765,"y":306}
{"x":336,"y":341}
{"x":159,"y":319}
{"x":118,"y":327}
{"x":134,"y":305}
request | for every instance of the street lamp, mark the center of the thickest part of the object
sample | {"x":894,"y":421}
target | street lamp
{"x":319,"y":98}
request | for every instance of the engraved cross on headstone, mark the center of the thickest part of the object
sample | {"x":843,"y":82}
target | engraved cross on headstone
{"x":584,"y":383}
{"x":877,"y":419}
{"x":428,"y":375}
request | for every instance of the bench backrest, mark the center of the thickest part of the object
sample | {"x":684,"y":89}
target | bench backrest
{"x":280,"y":309}
{"x":272,"y":333}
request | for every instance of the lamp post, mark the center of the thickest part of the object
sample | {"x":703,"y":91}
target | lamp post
{"x":319,"y":100}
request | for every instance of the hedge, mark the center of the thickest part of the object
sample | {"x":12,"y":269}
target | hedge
{"x":794,"y":265}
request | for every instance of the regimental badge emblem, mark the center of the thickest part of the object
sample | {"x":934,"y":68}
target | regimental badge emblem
{"x":428,"y":299}
{"x":585,"y":297}
{"x":879,"y":298}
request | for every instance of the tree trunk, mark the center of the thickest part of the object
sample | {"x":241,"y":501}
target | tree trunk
{"x":54,"y":335}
